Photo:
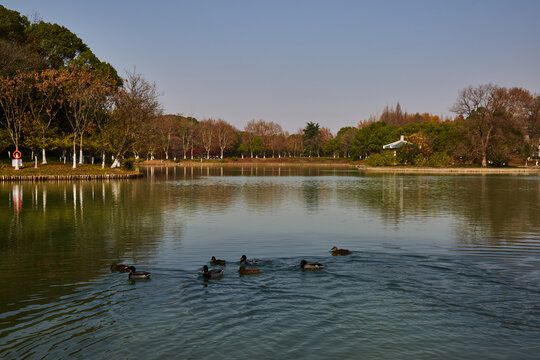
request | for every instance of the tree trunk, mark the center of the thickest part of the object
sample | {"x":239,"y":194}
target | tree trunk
{"x":75,"y":151}
{"x":103,"y":160}
{"x":80,"y":151}
{"x":43,"y":157}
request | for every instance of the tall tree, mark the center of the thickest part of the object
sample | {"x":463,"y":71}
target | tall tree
{"x":12,"y":25}
{"x":55,"y":43}
{"x":275,"y":137}
{"x":225,"y":135}
{"x":487,"y":111}
{"x":206,"y":135}
{"x":15,"y":105}
{"x":256,"y":146}
{"x":186,"y":133}
{"x":312,"y":138}
{"x":167,"y":125}
{"x":84,"y":91}
{"x":295,"y":143}
{"x":45,"y":102}
{"x":136,"y":106}
{"x":346,"y":137}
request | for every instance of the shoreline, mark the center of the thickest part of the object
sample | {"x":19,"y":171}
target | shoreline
{"x":74,"y":177}
{"x":372,"y":169}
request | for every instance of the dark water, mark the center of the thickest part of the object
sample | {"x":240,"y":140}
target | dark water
{"x":443,"y":266}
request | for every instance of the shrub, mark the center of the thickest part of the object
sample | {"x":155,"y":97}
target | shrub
{"x":127,"y":164}
{"x":386,"y":158}
{"x":439,"y":159}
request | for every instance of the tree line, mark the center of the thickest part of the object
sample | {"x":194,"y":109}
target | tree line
{"x":57,"y":96}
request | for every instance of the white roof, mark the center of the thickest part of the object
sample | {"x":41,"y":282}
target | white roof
{"x":396,"y":144}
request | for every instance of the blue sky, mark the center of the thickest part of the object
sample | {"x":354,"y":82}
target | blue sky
{"x":332,"y":62}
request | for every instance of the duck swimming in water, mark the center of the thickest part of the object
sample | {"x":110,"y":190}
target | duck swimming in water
{"x":336,"y":251}
{"x":134,"y":274}
{"x":311,"y":265}
{"x":210,"y":274}
{"x":215,"y":261}
{"x":245,"y":261}
{"x":119,"y":267}
{"x":244,"y":271}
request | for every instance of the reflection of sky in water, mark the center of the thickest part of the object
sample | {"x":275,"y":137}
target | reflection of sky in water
{"x":282,"y":213}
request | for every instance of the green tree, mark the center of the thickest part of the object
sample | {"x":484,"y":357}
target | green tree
{"x":256,"y":146}
{"x":312,"y":139}
{"x":332,"y":147}
{"x":12,"y":25}
{"x":346,"y":137}
{"x":54,"y":42}
{"x":370,"y":139}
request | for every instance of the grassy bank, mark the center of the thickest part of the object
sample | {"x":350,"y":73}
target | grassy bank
{"x":60,"y":171}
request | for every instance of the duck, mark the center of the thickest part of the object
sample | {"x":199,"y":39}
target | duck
{"x":336,"y":251}
{"x":245,"y":261}
{"x":209,"y":274}
{"x":134,"y":274}
{"x":311,"y":265}
{"x":243,"y":271}
{"x":215,"y":261}
{"x":120,"y":267}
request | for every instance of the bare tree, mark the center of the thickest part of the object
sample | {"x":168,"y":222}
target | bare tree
{"x":186,"y":130}
{"x":275,"y":133}
{"x":14,"y":102}
{"x":45,"y":103}
{"x":137,"y":107}
{"x":167,"y":126}
{"x":84,"y":90}
{"x":295,"y":144}
{"x":225,"y":133}
{"x":479,"y":106}
{"x":206,"y":135}
{"x":493,"y":115}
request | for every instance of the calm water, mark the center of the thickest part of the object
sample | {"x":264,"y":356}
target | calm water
{"x":443,"y":266}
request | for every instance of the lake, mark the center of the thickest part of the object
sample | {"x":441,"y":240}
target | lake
{"x":442,"y":266}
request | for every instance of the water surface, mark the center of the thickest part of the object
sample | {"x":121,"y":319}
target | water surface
{"x":442,"y":266}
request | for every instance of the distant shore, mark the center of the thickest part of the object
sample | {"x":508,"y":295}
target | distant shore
{"x":314,"y":162}
{"x":251,"y":162}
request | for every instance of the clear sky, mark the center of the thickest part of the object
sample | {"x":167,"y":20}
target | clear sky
{"x":334,"y":62}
